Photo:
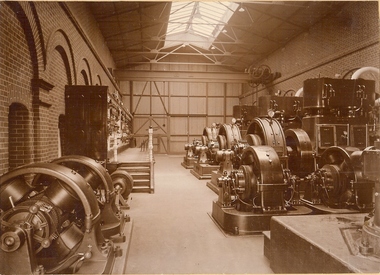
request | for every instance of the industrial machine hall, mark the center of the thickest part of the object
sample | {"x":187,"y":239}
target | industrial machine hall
{"x":205,"y":137}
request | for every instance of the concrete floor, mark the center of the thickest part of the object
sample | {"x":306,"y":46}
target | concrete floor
{"x":173,"y":232}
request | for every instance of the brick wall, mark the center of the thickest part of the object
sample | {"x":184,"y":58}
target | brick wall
{"x":15,"y":74}
{"x":19,"y":136}
{"x":346,"y":40}
{"x":49,"y":43}
{"x":42,"y":49}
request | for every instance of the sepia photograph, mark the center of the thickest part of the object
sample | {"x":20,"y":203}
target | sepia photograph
{"x":189,"y":137}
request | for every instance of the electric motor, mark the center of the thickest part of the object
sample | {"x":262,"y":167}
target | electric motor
{"x":190,"y":148}
{"x":229,"y":134}
{"x":300,"y":152}
{"x":339,"y":183}
{"x":269,"y":132}
{"x":112,"y":220}
{"x":258,"y":185}
{"x":50,"y":223}
{"x":210,"y":133}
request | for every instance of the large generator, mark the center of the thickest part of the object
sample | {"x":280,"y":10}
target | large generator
{"x":61,"y":217}
{"x":303,"y":156}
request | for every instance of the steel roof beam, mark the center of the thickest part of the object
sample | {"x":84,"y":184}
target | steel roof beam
{"x":178,"y":76}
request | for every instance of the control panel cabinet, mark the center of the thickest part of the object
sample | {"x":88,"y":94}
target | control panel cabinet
{"x":86,"y":121}
{"x":347,"y":97}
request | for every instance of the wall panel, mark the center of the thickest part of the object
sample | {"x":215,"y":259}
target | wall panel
{"x":194,"y":137}
{"x":197,"y":89}
{"x":125,"y":87}
{"x":178,"y":88}
{"x":159,"y":88}
{"x":178,"y":111}
{"x":159,"y":105}
{"x":233,"y":89}
{"x":216,"y":119}
{"x":140,"y":124}
{"x":141,"y":105}
{"x":215,"y":89}
{"x":140,"y":87}
{"x":196,"y":125}
{"x":177,"y":144}
{"x":179,"y":105}
{"x":215,"y":106}
{"x":161,"y":144}
{"x":160,"y":125}
{"x":228,"y":119}
{"x":230,"y":103}
{"x":197,"y":105}
{"x":178,"y":125}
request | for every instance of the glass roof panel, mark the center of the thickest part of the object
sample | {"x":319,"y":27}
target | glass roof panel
{"x":197,"y":23}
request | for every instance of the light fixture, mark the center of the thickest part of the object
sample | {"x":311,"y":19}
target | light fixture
{"x":241,"y":8}
{"x":224,"y":31}
{"x":213,"y":47}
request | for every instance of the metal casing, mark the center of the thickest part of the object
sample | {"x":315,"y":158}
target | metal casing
{"x":86,"y":121}
{"x":332,"y":135}
{"x":359,"y":136}
{"x":290,"y":105}
{"x":371,"y":161}
{"x":270,"y":132}
{"x":330,"y":93}
{"x":248,"y":112}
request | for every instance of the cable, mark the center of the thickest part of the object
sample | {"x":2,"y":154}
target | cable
{"x":288,"y":91}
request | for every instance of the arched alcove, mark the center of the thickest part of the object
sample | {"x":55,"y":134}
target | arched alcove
{"x":84,"y":77}
{"x":19,"y":135}
{"x":84,"y":73}
{"x":98,"y":80}
{"x":66,"y":64}
{"x":60,"y":42}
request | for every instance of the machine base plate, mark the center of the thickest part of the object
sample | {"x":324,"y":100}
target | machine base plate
{"x":236,"y":222}
{"x":213,"y":184}
{"x":203,"y":171}
{"x":189,"y":163}
{"x":120,"y":263}
{"x":323,"y":209}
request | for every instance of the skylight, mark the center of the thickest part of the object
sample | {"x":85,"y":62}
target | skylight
{"x":197,"y":23}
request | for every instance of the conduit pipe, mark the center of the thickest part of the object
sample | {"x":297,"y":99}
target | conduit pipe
{"x":372,"y":70}
{"x":359,"y":72}
{"x":299,"y":92}
{"x":356,"y":75}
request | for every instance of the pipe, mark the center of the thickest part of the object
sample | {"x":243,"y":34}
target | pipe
{"x":299,"y":92}
{"x":359,"y":72}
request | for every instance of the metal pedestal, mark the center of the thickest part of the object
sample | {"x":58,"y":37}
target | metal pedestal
{"x":237,"y":222}
{"x":203,"y":170}
{"x":188,"y":163}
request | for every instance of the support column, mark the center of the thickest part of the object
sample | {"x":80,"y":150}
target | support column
{"x":41,"y":105}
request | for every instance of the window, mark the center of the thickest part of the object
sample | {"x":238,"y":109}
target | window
{"x":197,"y":23}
